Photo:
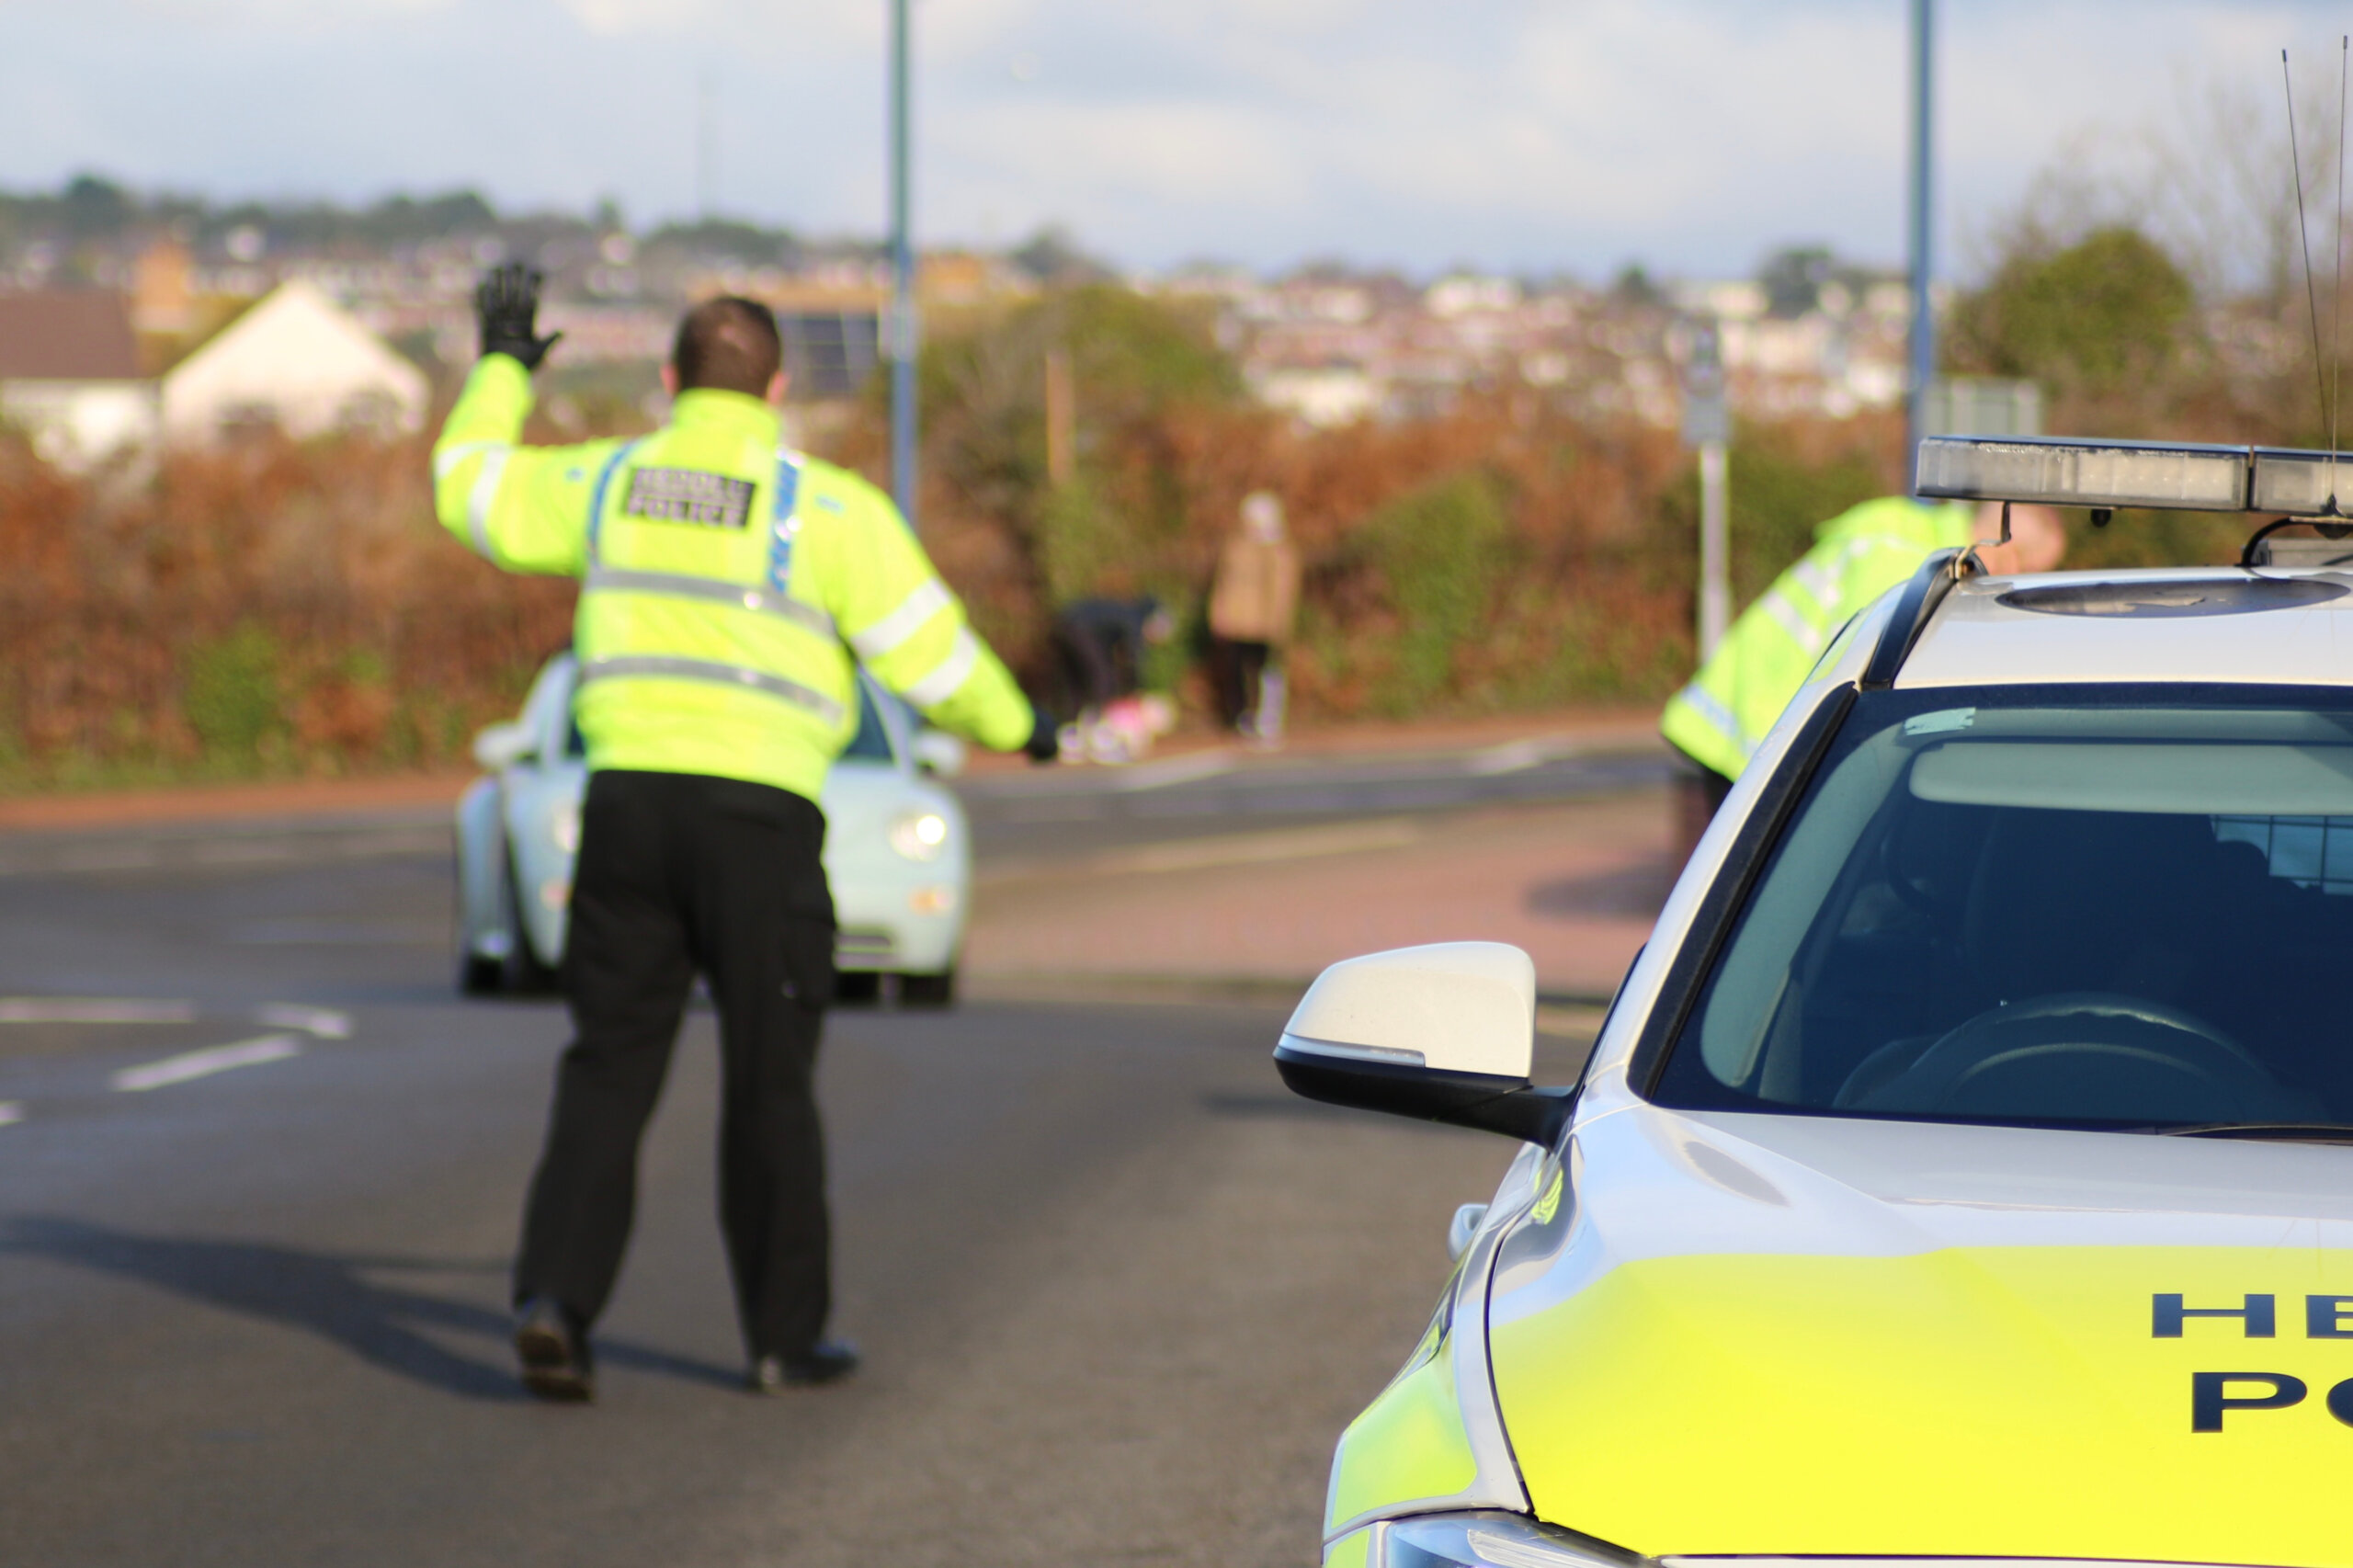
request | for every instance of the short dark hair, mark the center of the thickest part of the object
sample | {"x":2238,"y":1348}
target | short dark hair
{"x":729,"y":343}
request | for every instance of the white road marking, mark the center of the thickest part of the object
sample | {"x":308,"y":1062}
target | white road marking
{"x":1185,"y":769}
{"x":324,"y":1022}
{"x":1260,"y":848}
{"x":10,"y":1111}
{"x":93,"y":1010}
{"x":1517,"y":756}
{"x":204,"y":1063}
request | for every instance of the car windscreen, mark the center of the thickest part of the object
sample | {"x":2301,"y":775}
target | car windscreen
{"x":2102,"y":907}
{"x":872,"y":741}
{"x":871,"y":744}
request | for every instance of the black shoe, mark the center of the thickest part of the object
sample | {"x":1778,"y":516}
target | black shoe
{"x":827,"y":1361}
{"x":553,"y":1350}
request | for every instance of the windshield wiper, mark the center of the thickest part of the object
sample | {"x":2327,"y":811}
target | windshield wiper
{"x":2284,"y":1131}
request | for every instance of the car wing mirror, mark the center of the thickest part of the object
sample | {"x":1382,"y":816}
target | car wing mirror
{"x":936,"y":750}
{"x":1444,"y":1033}
{"x":503,"y":746}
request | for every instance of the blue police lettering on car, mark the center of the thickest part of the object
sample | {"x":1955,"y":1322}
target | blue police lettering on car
{"x":2328,"y":1317}
{"x":689,"y":495}
{"x":2209,"y":1395}
{"x":2167,"y":1312}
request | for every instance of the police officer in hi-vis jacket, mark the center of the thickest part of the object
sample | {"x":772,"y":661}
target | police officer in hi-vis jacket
{"x":726,"y":586}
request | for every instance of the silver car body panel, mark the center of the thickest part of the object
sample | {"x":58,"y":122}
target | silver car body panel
{"x":1976,"y":640}
{"x":530,"y":813}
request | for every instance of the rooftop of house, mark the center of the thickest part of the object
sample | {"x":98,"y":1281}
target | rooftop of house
{"x":79,"y":334}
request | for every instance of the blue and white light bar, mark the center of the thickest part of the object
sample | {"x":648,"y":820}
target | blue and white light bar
{"x":2170,"y":475}
{"x":2061,"y":473}
{"x":2302,"y":484}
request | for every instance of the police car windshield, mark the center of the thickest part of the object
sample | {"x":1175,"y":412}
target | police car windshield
{"x":2096,"y":907}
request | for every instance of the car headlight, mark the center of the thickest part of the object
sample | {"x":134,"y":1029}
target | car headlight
{"x":920,"y":835}
{"x":1488,"y":1541}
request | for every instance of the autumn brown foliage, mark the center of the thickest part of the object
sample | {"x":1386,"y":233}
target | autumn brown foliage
{"x":268,"y":608}
{"x":274,"y":608}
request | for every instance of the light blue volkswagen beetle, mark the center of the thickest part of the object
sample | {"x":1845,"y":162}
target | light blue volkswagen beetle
{"x":898,"y":850}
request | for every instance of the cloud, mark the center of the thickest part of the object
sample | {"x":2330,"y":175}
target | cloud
{"x":1525,"y":133}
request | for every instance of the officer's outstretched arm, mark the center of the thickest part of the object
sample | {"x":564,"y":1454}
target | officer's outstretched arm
{"x":905,"y":626}
{"x":525,"y":508}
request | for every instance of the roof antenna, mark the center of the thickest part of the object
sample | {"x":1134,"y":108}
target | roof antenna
{"x":2336,"y":306}
{"x":2304,"y":237}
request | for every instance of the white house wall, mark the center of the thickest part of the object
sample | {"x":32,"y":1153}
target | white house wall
{"x":297,"y":360}
{"x":76,"y":425}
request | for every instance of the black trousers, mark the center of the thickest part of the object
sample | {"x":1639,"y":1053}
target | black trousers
{"x":1241,"y":677}
{"x":679,"y":874}
{"x":1097,"y":667}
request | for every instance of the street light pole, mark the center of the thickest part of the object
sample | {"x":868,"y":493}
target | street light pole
{"x":901,"y":323}
{"x":1922,"y":355}
{"x":1707,"y":426}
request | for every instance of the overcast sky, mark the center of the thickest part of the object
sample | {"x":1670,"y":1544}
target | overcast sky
{"x":1532,"y":135}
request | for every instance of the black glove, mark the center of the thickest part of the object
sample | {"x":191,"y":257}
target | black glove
{"x":1045,"y":736}
{"x":505,"y":301}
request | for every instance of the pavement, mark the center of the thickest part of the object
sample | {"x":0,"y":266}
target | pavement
{"x":260,"y":1170}
{"x":1575,"y":884}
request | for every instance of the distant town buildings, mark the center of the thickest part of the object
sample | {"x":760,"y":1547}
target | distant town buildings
{"x":79,"y":370}
{"x":311,"y":320}
{"x":1332,"y":346}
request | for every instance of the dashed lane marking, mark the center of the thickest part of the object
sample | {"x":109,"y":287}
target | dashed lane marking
{"x":1517,"y":756}
{"x":1258,"y":849}
{"x":1174,"y":770}
{"x":93,"y":1010}
{"x":204,"y":1063}
{"x":324,"y":1022}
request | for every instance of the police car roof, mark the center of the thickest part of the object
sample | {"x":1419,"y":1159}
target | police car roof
{"x":2269,"y":627}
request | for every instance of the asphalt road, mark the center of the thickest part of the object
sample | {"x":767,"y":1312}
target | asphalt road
{"x":1047,"y":814}
{"x":1118,"y":1292}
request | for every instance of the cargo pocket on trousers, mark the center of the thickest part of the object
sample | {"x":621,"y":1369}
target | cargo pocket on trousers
{"x":809,"y":960}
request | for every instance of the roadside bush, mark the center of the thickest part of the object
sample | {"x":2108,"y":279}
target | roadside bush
{"x":1439,"y":554}
{"x":234,"y":702}
{"x":269,"y":609}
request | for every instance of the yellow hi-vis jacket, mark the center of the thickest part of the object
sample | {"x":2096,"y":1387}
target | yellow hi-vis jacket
{"x":1721,"y":718}
{"x":722,"y":577}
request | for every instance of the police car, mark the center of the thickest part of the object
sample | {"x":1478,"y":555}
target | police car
{"x":1964,"y":1170}
{"x":898,"y":851}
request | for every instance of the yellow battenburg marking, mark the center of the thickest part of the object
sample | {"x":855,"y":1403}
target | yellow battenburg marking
{"x":1351,"y":1550}
{"x":2003,"y":1401}
{"x":1408,"y":1445}
{"x":1550,"y":1204}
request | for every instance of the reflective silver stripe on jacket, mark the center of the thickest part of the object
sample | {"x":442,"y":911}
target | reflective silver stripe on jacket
{"x":478,"y":500}
{"x":663,"y":667}
{"x":446,"y":461}
{"x":943,"y":681}
{"x":1717,"y":717}
{"x":718,"y":590}
{"x":914,"y":613}
{"x":1791,"y":619}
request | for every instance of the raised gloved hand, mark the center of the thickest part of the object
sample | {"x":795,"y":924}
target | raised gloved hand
{"x":1045,"y":736}
{"x":506,"y":302}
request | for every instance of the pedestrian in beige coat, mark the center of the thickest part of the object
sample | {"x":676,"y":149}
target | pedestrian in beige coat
{"x":1252,"y":605}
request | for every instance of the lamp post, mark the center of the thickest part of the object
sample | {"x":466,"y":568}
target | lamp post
{"x":1707,"y":427}
{"x":1923,"y":356}
{"x":902,"y":335}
